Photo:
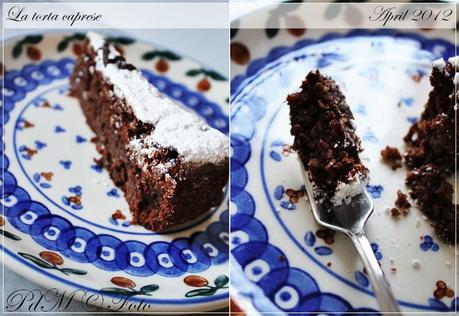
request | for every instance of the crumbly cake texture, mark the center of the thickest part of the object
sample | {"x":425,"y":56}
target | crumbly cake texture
{"x":325,"y":139}
{"x":171,"y":166}
{"x":392,"y":156}
{"x":401,"y":205}
{"x":402,"y":200}
{"x":431,"y":139}
{"x":430,"y":156}
{"x":433,"y":195}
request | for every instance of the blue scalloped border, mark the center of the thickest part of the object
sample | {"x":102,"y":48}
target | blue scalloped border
{"x":257,"y":64}
{"x":244,"y":218}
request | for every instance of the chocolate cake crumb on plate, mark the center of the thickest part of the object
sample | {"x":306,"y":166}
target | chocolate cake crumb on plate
{"x":431,"y":154}
{"x":392,"y":156}
{"x":395,"y":212}
{"x":171,"y":166}
{"x":324,"y":136}
{"x":401,"y":205}
{"x":402,"y":200}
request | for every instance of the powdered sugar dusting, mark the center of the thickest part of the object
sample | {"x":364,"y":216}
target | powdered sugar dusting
{"x":96,"y":40}
{"x":454,"y":61}
{"x":174,"y":125}
{"x":346,"y":191}
{"x":185,"y":132}
{"x":439,"y":64}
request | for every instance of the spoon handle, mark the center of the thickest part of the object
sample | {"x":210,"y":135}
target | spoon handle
{"x":381,"y":288}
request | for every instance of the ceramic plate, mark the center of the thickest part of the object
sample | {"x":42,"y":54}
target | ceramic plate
{"x":281,"y":259}
{"x":58,"y":206}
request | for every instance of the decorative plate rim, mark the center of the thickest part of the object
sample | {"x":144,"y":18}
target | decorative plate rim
{"x":12,"y":256}
{"x":274,"y":53}
{"x":51,"y":32}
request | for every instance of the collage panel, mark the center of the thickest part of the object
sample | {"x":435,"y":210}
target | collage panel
{"x":115,"y":165}
{"x":341,"y":130}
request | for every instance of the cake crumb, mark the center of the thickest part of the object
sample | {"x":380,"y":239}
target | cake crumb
{"x":401,"y":204}
{"x":294,"y":195}
{"x":395,"y":212}
{"x":28,"y":124}
{"x":46,"y":104}
{"x":75,"y":199}
{"x":329,"y":264}
{"x":118,"y":215}
{"x":392,"y":156}
{"x":402,"y":200}
{"x":47,"y":175}
{"x":328,"y":235}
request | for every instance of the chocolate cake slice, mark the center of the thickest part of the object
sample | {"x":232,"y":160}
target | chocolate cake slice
{"x":431,"y":155}
{"x":171,"y":166}
{"x":324,"y":136}
{"x":433,"y":195}
{"x":431,"y":139}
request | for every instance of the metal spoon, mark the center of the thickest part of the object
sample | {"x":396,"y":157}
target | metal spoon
{"x":350,"y":219}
